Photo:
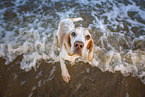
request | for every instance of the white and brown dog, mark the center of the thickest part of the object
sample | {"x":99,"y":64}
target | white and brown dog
{"x":73,"y":43}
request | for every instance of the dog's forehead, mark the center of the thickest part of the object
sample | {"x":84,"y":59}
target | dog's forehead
{"x":81,"y":30}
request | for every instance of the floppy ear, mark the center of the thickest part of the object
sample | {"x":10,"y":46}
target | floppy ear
{"x":90,"y":48}
{"x":68,"y":40}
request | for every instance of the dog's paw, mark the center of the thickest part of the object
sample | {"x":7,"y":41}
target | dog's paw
{"x":66,"y":76}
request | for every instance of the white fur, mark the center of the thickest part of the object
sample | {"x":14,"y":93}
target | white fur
{"x":65,"y":27}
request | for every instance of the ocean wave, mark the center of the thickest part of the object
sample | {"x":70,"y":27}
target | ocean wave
{"x":118,"y":28}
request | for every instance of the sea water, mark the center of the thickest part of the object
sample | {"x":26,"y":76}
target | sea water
{"x":29,"y":28}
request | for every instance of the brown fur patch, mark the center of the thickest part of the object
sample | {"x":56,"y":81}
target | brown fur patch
{"x":90,"y":48}
{"x":90,"y":45}
{"x":68,"y":40}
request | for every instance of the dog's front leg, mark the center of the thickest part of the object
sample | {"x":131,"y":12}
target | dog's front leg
{"x":65,"y":74}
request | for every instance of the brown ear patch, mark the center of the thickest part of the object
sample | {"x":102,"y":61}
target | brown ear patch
{"x":90,"y":45}
{"x":90,"y":48}
{"x":68,"y":40}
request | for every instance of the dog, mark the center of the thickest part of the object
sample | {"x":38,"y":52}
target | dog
{"x":73,"y":43}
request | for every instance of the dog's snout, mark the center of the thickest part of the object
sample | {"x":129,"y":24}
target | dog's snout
{"x":78,"y":44}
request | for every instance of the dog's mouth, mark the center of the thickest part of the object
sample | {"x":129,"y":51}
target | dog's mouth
{"x":77,"y":52}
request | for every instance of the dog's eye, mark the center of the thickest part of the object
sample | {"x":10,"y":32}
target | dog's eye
{"x":88,"y":37}
{"x":73,"y":34}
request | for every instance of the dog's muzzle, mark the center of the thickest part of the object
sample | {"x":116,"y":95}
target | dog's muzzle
{"x":78,"y":46}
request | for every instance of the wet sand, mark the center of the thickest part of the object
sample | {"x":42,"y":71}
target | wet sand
{"x":86,"y":81}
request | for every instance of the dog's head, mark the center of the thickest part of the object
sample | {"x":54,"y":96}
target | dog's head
{"x":79,"y":40}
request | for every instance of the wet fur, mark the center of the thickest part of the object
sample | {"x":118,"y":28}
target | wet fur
{"x":64,"y":29}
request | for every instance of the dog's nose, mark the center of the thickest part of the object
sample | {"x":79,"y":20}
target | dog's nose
{"x":78,"y":45}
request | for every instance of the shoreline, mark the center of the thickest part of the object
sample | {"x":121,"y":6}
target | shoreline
{"x":86,"y":81}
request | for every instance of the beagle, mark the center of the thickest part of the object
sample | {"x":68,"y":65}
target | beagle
{"x":73,"y":43}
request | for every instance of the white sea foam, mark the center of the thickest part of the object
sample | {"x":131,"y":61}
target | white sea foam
{"x":33,"y":34}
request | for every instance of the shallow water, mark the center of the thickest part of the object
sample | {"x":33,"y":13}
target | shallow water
{"x":46,"y":81}
{"x":28,"y":28}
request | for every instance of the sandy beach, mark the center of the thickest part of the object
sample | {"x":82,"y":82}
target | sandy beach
{"x":86,"y":81}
